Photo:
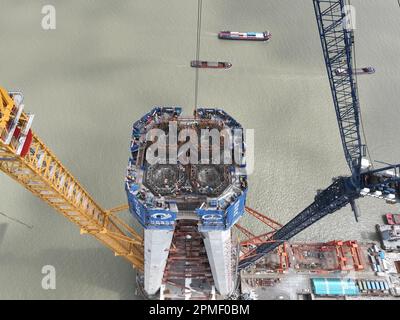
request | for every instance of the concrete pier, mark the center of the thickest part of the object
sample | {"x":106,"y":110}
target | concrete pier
{"x":156,"y":250}
{"x":218,"y":246}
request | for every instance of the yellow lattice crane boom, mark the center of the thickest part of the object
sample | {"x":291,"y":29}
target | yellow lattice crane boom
{"x":26,"y":159}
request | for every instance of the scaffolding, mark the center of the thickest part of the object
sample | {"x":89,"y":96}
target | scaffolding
{"x":187,"y":268}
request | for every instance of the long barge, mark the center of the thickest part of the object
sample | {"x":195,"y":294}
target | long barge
{"x":249,"y":36}
{"x":210,"y":64}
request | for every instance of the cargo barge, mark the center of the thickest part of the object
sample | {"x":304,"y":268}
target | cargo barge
{"x":210,"y":64}
{"x":249,"y":36}
{"x":360,"y":71}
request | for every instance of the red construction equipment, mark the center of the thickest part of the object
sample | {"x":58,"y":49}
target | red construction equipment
{"x":346,"y":249}
{"x":248,"y":245}
{"x":264,"y":219}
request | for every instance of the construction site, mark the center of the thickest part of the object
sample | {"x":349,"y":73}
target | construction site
{"x":341,"y":270}
{"x":188,"y":222}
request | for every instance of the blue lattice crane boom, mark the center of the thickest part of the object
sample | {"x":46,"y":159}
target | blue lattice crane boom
{"x":338,"y":45}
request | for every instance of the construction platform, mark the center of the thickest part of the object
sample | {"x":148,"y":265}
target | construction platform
{"x":175,"y":173}
{"x":186,"y":185}
{"x":339,"y":270}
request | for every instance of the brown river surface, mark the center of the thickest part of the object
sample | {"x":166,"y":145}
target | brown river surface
{"x":109,"y":62}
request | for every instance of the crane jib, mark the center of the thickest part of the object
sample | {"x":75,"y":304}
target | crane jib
{"x":337,"y":44}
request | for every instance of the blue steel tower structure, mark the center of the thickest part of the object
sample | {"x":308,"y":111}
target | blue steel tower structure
{"x":211,"y":195}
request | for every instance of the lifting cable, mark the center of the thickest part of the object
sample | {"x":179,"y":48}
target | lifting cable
{"x":16,"y":220}
{"x":196,"y":84}
{"x":359,"y":112}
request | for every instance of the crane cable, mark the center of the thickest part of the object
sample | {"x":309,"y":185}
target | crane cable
{"x":359,"y":112}
{"x":16,"y":220}
{"x":196,"y":83}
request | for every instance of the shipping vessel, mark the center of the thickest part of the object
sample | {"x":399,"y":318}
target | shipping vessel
{"x":210,"y":64}
{"x":361,"y":71}
{"x":250,"y":36}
